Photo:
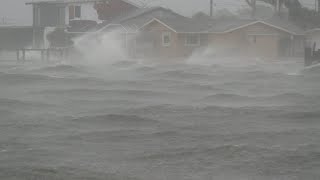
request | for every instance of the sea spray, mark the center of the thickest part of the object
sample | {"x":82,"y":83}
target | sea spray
{"x":100,"y":49}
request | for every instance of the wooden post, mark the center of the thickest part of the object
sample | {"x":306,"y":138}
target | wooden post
{"x":254,"y":8}
{"x":66,"y":53}
{"x":48,"y":54}
{"x":61,"y":54}
{"x":18,"y":55}
{"x":211,"y":8}
{"x":308,"y":56}
{"x":42,"y":55}
{"x":23,"y":55}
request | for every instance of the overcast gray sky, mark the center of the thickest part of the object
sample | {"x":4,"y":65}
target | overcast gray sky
{"x":15,"y":11}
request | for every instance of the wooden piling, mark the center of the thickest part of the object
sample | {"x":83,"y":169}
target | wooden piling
{"x":308,"y":56}
{"x":42,"y":55}
{"x":18,"y":55}
{"x":23,"y":55}
{"x":61,"y":53}
{"x":48,"y":54}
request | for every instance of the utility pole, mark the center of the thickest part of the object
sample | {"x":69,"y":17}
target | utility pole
{"x":277,"y":5}
{"x":252,"y":4}
{"x":211,"y":8}
{"x":254,"y":8}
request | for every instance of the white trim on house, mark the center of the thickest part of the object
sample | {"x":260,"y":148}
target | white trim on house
{"x":263,"y":22}
{"x":155,"y":19}
{"x":75,"y":1}
{"x":62,"y":1}
{"x":223,"y":32}
{"x":120,"y":25}
{"x":164,"y":34}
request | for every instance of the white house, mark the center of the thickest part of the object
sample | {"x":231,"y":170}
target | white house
{"x":57,"y":13}
{"x":50,"y":14}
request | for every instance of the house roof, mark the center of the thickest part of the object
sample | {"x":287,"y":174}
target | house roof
{"x":73,"y":1}
{"x":188,"y":25}
{"x":285,"y":25}
{"x":181,"y":24}
{"x":232,"y":25}
{"x":61,"y":1}
{"x":222,"y":26}
{"x":137,"y":18}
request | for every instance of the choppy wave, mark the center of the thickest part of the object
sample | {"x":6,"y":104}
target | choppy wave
{"x":126,"y":120}
{"x":13,"y":103}
{"x":225,"y":120}
{"x":57,"y":173}
{"x":60,"y":68}
{"x":228,"y":97}
{"x":105,"y":92}
{"x":24,"y":78}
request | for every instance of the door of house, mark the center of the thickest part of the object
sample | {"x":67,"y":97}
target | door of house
{"x":284,"y":47}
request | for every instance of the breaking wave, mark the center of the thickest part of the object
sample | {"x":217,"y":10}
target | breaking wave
{"x":126,"y":120}
{"x":206,"y":118}
{"x":60,"y":68}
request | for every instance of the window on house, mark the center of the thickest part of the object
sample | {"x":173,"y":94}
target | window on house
{"x":74,"y":12}
{"x":77,"y":11}
{"x":166,"y":39}
{"x":253,"y":39}
{"x":192,"y":40}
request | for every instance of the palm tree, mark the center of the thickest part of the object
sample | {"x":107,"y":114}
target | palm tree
{"x":292,"y":5}
{"x":252,"y":4}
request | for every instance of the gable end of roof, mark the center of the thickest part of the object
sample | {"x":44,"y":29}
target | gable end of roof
{"x":262,"y":22}
{"x":159,"y":21}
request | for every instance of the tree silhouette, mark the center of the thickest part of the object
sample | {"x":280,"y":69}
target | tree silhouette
{"x":302,"y":16}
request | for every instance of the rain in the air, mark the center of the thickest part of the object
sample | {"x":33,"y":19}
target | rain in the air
{"x":159,"y":89}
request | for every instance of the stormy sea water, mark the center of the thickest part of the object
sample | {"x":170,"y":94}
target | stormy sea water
{"x":209,"y":118}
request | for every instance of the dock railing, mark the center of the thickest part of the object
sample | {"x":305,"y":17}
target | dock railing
{"x":45,"y":54}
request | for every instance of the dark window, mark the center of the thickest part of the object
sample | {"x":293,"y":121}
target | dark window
{"x":77,"y":11}
{"x":192,"y":40}
{"x":166,"y":39}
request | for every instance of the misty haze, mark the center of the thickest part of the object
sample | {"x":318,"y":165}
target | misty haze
{"x":159,"y":89}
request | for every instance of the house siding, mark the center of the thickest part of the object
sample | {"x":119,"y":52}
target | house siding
{"x":177,"y":47}
{"x":50,"y":15}
{"x":228,"y":44}
{"x":185,"y":50}
{"x":256,"y":40}
{"x":155,"y":31}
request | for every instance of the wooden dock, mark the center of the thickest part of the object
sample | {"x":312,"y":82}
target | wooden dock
{"x":45,"y":54}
